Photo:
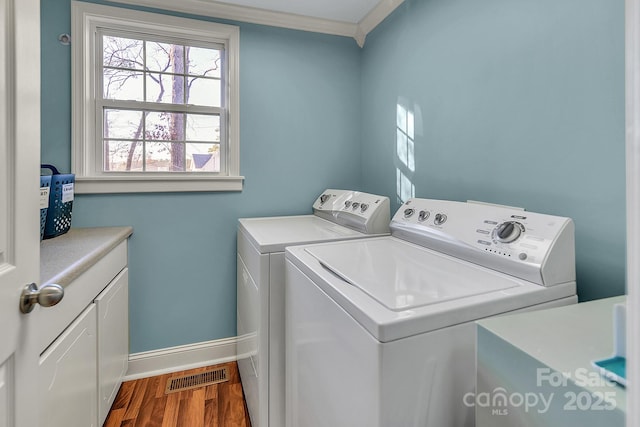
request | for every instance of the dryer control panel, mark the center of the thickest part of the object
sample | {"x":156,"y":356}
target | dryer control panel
{"x":364,"y":212}
{"x":532,"y":246}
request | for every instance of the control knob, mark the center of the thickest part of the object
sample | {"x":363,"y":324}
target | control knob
{"x":508,"y":232}
{"x":439,"y":219}
{"x":324,"y":198}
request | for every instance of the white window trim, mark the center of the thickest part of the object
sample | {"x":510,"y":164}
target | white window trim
{"x":86,"y":17}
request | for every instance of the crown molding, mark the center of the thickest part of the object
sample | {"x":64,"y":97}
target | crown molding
{"x":378,"y":14}
{"x":252,"y":15}
{"x":215,"y":9}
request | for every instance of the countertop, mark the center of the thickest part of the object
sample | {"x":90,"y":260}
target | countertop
{"x":64,"y":258}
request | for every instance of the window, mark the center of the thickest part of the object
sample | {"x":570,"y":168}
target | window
{"x":155,"y":102}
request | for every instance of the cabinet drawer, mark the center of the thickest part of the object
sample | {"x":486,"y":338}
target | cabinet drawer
{"x":77,"y":295}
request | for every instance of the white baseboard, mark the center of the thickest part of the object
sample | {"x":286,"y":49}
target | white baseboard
{"x":172,"y":359}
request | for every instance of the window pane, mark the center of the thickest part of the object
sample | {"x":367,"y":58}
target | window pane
{"x":122,"y":156}
{"x":122,"y":124}
{"x":165,"y":88}
{"x":203,"y":128}
{"x":204,"y":62}
{"x":203,"y":157}
{"x":158,"y":156}
{"x":165,"y":126}
{"x":165,"y":156}
{"x":122,"y":84}
{"x":204,"y":92}
{"x":166,"y":57}
{"x":122,"y":52}
{"x":158,"y":56}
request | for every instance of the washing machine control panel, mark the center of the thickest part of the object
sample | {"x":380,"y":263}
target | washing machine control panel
{"x":534,"y":246}
{"x":368,"y":213}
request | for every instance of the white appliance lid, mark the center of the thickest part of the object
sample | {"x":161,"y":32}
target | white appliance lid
{"x":402,"y":276}
{"x":273,"y":234}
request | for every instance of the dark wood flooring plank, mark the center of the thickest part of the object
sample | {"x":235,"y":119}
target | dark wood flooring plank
{"x":124,"y":395}
{"x":233,"y":373}
{"x":191,"y":412}
{"x":148,"y":403}
{"x":170,"y":417}
{"x":136,"y":399}
{"x":114,"y":419}
{"x":211,"y":413}
{"x":162,"y":384}
{"x":157,"y":415}
{"x":231,"y":405}
{"x":211,"y":392}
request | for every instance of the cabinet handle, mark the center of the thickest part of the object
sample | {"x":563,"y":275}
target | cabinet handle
{"x":47,"y":296}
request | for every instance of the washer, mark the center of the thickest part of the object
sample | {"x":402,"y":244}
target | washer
{"x":380,"y":332}
{"x":337,"y":215}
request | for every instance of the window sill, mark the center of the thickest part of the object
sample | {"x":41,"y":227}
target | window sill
{"x":111,"y":185}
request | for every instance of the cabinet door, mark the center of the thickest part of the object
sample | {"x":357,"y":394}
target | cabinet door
{"x":113,"y":340}
{"x":67,"y":376}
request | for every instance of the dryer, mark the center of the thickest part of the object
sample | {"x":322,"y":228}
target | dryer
{"x":380,"y":332}
{"x":337,"y":215}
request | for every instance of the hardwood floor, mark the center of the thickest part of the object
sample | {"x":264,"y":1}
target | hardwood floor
{"x":143,"y":403}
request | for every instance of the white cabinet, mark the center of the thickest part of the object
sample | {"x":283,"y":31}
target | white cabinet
{"x":68,"y":375}
{"x":545,"y":358}
{"x":84,"y":342}
{"x":113,"y":341}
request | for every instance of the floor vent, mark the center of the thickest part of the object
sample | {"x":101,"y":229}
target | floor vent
{"x":201,"y":379}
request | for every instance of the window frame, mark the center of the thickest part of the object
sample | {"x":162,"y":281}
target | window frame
{"x":88,"y":21}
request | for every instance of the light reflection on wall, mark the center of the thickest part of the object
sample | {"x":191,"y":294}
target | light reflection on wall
{"x":405,"y":157}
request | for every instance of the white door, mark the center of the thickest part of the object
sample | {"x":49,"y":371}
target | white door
{"x":19,"y":206}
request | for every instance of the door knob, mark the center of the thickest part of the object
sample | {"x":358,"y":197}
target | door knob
{"x":46,"y":296}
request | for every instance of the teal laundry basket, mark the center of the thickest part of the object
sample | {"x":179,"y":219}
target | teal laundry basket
{"x":45,"y":187}
{"x":58,"y":219}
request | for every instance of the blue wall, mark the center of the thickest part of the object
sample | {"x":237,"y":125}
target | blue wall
{"x":517,"y":102}
{"x":299,"y":102}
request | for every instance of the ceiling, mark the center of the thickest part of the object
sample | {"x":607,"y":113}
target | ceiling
{"x":351,"y":18}
{"x":352,"y":11}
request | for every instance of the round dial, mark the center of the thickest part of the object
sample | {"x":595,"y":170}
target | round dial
{"x":439,"y":219}
{"x":508,"y":232}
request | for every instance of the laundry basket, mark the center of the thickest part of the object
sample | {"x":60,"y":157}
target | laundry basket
{"x":45,"y":184}
{"x":60,"y":203}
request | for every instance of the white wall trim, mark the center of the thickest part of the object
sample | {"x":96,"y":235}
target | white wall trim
{"x":632,"y":112}
{"x":252,"y":15}
{"x":172,"y":359}
{"x":156,"y":184}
